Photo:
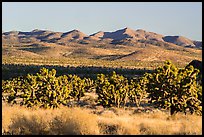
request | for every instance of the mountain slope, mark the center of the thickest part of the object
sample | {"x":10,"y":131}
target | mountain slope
{"x":124,"y":45}
{"x":179,"y":40}
{"x":125,"y":36}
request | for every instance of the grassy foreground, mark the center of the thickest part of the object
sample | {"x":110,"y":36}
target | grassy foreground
{"x":99,"y":121}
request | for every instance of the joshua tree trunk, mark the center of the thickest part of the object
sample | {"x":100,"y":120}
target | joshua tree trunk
{"x":173,"y":110}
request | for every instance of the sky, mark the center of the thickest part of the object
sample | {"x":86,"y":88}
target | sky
{"x":166,"y":18}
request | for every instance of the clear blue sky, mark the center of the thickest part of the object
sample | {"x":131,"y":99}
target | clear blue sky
{"x":167,"y":18}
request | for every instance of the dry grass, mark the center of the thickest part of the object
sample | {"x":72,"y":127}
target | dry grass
{"x":86,"y":121}
{"x":72,"y":121}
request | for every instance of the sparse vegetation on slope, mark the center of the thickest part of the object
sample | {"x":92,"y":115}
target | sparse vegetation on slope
{"x":114,"y":49}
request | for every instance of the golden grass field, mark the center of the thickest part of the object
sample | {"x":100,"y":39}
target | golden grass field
{"x":18,"y":120}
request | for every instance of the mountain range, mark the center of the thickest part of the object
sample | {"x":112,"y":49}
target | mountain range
{"x":124,"y":36}
{"x":124,"y":45}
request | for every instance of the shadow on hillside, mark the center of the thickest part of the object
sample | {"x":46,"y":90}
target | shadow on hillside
{"x":14,"y":70}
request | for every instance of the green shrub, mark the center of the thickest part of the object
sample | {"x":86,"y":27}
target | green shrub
{"x":174,"y":89}
{"x":77,"y":86}
{"x":43,"y":89}
{"x":112,"y":90}
{"x":138,"y":89}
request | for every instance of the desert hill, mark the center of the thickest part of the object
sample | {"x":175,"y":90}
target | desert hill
{"x":179,"y":40}
{"x":111,"y":37}
{"x":121,"y":45}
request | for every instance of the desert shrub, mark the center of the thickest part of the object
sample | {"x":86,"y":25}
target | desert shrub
{"x":89,"y":84}
{"x":116,"y":90}
{"x":108,"y":128}
{"x":43,"y":89}
{"x":12,"y":89}
{"x":151,"y":127}
{"x":112,"y":90}
{"x":74,"y":122}
{"x":29,"y":125}
{"x":77,"y":86}
{"x":138,"y":89}
{"x":200,"y":94}
{"x":174,"y":89}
